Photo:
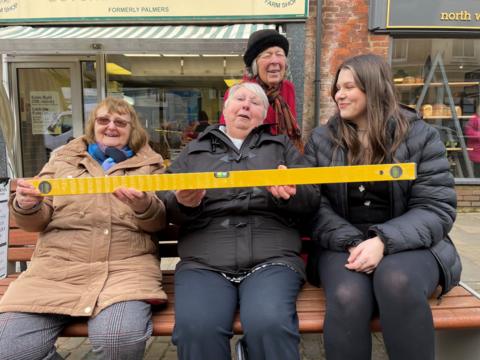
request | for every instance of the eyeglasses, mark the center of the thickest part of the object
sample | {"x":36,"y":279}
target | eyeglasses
{"x":104,"y":121}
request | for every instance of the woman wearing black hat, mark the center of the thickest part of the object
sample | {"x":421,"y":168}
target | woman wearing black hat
{"x":266,"y":64}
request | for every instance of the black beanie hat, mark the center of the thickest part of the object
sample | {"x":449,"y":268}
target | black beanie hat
{"x":261,"y":40}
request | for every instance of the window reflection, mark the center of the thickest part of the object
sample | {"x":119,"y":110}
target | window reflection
{"x":175,"y":96}
{"x":45,"y":110}
{"x":458,"y":73}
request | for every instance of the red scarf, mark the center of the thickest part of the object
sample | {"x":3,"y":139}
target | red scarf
{"x":285,"y":122}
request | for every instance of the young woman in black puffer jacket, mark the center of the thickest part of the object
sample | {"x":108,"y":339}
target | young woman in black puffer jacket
{"x":381,"y":246}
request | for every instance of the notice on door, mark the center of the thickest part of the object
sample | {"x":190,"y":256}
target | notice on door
{"x":4,"y":194}
{"x":45,"y":106}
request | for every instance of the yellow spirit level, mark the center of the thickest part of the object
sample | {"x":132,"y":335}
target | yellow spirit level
{"x":229,"y":179}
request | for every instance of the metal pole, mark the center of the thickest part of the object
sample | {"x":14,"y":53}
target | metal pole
{"x":318,"y":54}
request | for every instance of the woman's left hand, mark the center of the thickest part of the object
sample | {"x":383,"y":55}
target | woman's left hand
{"x":282,"y":191}
{"x":137,"y":200}
{"x":366,"y":256}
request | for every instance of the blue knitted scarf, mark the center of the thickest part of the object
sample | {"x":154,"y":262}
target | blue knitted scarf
{"x":110,"y":156}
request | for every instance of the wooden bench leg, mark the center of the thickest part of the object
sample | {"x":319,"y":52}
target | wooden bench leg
{"x":457,"y":344}
{"x":11,"y":268}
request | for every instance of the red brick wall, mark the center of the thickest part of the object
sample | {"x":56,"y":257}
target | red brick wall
{"x":309,"y":72}
{"x":344,"y":34}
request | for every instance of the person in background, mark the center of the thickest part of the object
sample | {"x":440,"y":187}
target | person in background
{"x":472,"y":132}
{"x":266,"y":64}
{"x":188,"y":133}
{"x":94,"y":257}
{"x":381,"y":246}
{"x":239,"y":246}
{"x":203,"y":122}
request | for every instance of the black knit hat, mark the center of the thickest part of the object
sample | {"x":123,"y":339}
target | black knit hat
{"x":261,"y":40}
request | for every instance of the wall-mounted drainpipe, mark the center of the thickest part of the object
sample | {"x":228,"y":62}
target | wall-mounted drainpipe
{"x":318,"y":54}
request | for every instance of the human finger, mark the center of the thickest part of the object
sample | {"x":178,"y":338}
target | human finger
{"x":190,"y":198}
{"x":369,"y":270}
{"x":354,"y":253}
{"x":120,"y":194}
{"x":273,"y":190}
{"x":360,"y":264}
{"x":283,"y":193}
{"x":291,"y":189}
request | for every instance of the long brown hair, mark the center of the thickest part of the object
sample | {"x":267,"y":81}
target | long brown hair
{"x":373,"y":76}
{"x":138,"y":136}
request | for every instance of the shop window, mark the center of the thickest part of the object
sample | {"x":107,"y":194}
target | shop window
{"x":464,"y":49}
{"x":400,"y":50}
{"x":45,"y":113}
{"x":175,"y":95}
{"x":457,"y":117}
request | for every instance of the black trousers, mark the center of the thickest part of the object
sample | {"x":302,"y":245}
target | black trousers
{"x":205,"y":304}
{"x":398,"y":289}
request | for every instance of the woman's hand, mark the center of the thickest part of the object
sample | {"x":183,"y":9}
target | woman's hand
{"x":366,"y":256}
{"x":282,"y":191}
{"x":190,"y":198}
{"x":137,"y":200}
{"x":26,"y":196}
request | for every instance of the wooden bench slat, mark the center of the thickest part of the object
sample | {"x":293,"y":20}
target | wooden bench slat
{"x":458,"y":309}
{"x":20,"y":253}
{"x":454,"y":303}
{"x":311,"y":322}
{"x":457,"y":291}
{"x":17,"y":237}
{"x":456,"y":318}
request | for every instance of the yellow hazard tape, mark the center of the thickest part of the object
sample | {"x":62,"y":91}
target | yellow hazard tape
{"x":211,"y":180}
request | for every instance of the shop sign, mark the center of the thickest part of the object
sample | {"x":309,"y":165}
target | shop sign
{"x":4,"y":194}
{"x":108,"y":11}
{"x":433,"y":14}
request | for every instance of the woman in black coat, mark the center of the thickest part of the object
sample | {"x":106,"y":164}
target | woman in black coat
{"x":239,"y":246}
{"x":381,"y":246}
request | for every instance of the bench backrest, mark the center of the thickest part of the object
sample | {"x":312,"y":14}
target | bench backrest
{"x":21,"y":244}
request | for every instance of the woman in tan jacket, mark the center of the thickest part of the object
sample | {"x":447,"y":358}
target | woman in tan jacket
{"x":94,"y":255}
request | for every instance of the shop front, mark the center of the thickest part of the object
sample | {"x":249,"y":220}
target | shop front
{"x":173,"y":65}
{"x":435,"y":57}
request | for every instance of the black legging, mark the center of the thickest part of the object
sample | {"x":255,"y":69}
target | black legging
{"x":399,"y":288}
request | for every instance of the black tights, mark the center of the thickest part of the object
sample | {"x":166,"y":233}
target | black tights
{"x":399,"y":289}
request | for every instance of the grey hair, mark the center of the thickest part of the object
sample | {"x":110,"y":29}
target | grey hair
{"x":253,"y":87}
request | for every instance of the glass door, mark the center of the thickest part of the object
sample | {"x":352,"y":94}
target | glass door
{"x":48,"y":108}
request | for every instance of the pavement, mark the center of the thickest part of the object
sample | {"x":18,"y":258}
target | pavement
{"x":465,"y":234}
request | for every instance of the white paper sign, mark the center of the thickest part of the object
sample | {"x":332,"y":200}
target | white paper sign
{"x":4,"y":194}
{"x":44,"y":107}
